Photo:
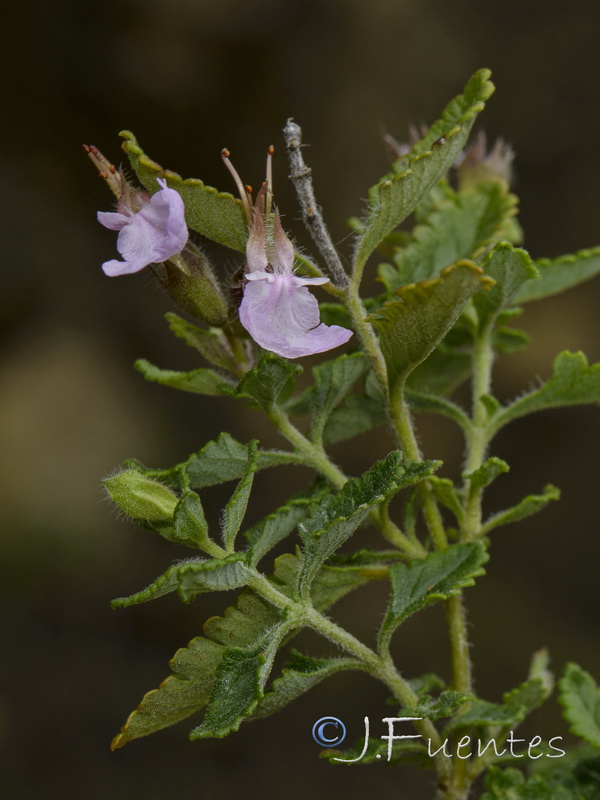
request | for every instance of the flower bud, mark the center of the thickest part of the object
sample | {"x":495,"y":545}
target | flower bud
{"x":140,"y":497}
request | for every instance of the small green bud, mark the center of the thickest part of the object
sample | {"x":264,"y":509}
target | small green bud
{"x":189,"y":279}
{"x":140,"y":497}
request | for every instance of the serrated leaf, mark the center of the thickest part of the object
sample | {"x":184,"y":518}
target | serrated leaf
{"x":397,"y":195}
{"x":573,"y":382}
{"x":333,"y":381}
{"x":486,"y":473}
{"x":441,"y":372}
{"x":338,"y":516}
{"x":164,"y":584}
{"x":220,"y":460}
{"x":439,"y":707}
{"x":580,"y":698}
{"x":270,"y":531}
{"x":198,"y":381}
{"x":235,"y":509}
{"x":483,"y":714}
{"x":536,"y":689}
{"x":239,"y":684}
{"x":411,"y":326}
{"x":510,"y":784}
{"x":422,"y":582}
{"x":528,"y":506}
{"x":510,"y":267}
{"x":216,"y":215}
{"x":509,"y":340}
{"x":298,"y":677}
{"x":265,"y":382}
{"x":210,"y":343}
{"x":188,"y":689}
{"x":458,"y":227}
{"x":559,"y":274}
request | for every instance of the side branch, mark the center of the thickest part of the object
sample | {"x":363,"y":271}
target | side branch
{"x":300,"y":175}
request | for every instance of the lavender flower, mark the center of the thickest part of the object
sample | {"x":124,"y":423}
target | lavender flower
{"x":277,"y":309}
{"x":150,"y":233}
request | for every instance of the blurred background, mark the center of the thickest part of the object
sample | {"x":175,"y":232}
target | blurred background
{"x":189,"y":77}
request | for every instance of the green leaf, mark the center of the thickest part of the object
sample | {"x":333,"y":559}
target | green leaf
{"x":573,"y":382}
{"x":509,"y":340}
{"x":510,"y":784}
{"x":338,"y":516}
{"x":300,"y":675}
{"x":191,"y":527}
{"x":272,"y":529}
{"x":447,"y":494}
{"x":188,"y":689}
{"x":265,"y":382}
{"x":211,"y":343}
{"x":429,"y":403}
{"x":333,"y":381}
{"x":216,"y":215}
{"x":221,"y":460}
{"x":198,"y":381}
{"x":442,"y":371}
{"x":437,"y":708}
{"x":191,"y":578}
{"x":411,"y":326}
{"x":528,"y":506}
{"x":482,"y":714}
{"x":397,"y":195}
{"x":459,"y":227}
{"x":357,"y":414}
{"x":422,"y":582}
{"x":559,"y":274}
{"x":510,"y":267}
{"x":236,"y":507}
{"x":486,"y":473}
{"x":580,"y":699}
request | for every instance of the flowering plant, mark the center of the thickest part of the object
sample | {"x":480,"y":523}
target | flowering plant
{"x":450,"y":286}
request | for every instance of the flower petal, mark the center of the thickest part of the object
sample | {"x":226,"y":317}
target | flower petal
{"x":284,"y":318}
{"x":157,"y":232}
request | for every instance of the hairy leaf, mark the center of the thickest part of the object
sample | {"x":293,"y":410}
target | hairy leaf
{"x":559,"y":274}
{"x":419,"y":583}
{"x":397,"y":195}
{"x":511,"y":784}
{"x":357,"y":414}
{"x":411,"y":326}
{"x":458,"y":228}
{"x":198,"y":381}
{"x":510,"y":267}
{"x":573,"y":382}
{"x":580,"y":699}
{"x":265,"y":382}
{"x":300,"y":675}
{"x":486,"y":473}
{"x":235,"y":509}
{"x":210,"y":342}
{"x":216,"y":215}
{"x":333,"y":381}
{"x":528,"y":506}
{"x":338,"y":516}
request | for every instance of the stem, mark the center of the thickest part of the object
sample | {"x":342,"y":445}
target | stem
{"x":300,"y":176}
{"x":316,"y":457}
{"x":478,"y":435}
{"x":381,"y":668}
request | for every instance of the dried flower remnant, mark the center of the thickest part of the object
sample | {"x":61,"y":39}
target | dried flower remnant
{"x":277,"y":309}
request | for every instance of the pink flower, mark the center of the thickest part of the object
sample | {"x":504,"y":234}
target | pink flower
{"x":277,"y":309}
{"x":149,"y":234}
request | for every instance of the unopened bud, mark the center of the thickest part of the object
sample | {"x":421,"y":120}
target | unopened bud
{"x":140,"y":497}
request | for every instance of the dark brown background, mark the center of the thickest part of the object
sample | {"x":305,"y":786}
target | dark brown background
{"x":190,"y":77}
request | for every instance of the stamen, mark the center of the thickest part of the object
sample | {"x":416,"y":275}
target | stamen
{"x":246,"y":200}
{"x":108,"y":171}
{"x":269,"y":198}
